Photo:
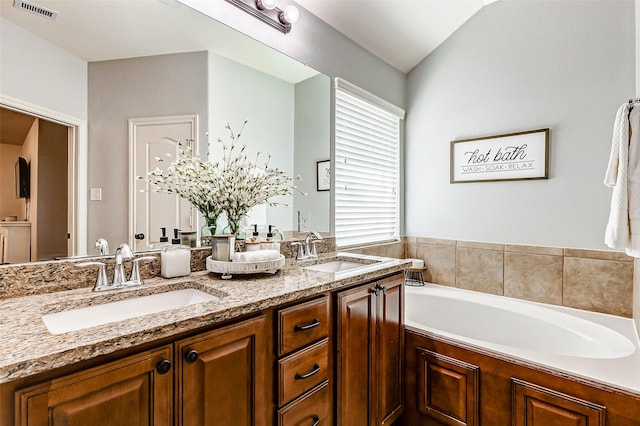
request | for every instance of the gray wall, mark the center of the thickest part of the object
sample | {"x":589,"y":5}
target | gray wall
{"x":239,"y":93}
{"x":519,"y":66}
{"x":133,"y":88}
{"x":312,"y":144}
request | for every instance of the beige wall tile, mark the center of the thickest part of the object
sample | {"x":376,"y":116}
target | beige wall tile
{"x":598,"y":254}
{"x":395,"y":250}
{"x":410,"y":250}
{"x":438,"y":241}
{"x":480,"y":245}
{"x":440,"y":262}
{"x":480,"y":270}
{"x":533,"y":277}
{"x":553,"y":251}
{"x":598,"y":285}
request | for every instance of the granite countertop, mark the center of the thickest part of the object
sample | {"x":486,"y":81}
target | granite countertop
{"x":29,"y":348}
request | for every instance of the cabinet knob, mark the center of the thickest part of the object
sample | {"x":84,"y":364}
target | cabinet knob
{"x":316,"y":368}
{"x":191,"y":356}
{"x":139,"y":236}
{"x":316,"y":420}
{"x":311,"y":325}
{"x":163,"y":366}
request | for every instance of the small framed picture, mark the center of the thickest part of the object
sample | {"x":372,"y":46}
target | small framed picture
{"x":323,"y":175}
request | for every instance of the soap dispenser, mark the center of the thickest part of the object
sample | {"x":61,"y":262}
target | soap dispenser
{"x":253,"y":243}
{"x":164,"y":240}
{"x":175,"y":258}
{"x":269,"y":243}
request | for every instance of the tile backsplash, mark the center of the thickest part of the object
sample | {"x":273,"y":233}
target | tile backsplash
{"x":599,"y":281}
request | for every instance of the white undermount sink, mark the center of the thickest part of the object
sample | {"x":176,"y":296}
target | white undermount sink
{"x":335,"y":266}
{"x":91,"y":316}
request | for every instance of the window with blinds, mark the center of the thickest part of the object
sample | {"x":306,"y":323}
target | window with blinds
{"x":367,"y":167}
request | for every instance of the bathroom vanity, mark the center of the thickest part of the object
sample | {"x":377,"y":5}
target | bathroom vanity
{"x":263,"y":352}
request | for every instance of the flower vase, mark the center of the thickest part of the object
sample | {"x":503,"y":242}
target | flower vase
{"x":208,"y":230}
{"x":235,"y":228}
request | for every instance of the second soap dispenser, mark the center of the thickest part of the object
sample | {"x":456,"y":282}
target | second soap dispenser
{"x":175,"y":259}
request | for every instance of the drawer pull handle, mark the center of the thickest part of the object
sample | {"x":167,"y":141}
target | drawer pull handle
{"x":191,"y":356}
{"x":316,"y":368}
{"x":313,"y":324}
{"x":316,"y":420}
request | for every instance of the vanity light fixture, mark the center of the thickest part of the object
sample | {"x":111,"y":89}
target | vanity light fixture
{"x":269,"y":13}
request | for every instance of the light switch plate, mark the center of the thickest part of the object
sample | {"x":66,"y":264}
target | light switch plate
{"x":96,"y":194}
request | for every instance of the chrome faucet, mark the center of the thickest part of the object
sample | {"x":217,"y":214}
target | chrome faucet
{"x":102,"y":246}
{"x":123,"y":253}
{"x":307,"y":250}
{"x":310,"y":243}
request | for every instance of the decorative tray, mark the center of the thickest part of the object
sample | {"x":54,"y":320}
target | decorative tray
{"x":229,"y":268}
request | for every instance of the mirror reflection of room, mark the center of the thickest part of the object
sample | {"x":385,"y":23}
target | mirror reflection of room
{"x":98,"y":79}
{"x":33,"y":188}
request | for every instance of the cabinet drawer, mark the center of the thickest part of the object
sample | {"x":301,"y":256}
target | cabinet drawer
{"x":314,"y":408}
{"x":302,"y":324}
{"x":301,"y":371}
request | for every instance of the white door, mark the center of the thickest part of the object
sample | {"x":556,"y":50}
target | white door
{"x":151,"y":138}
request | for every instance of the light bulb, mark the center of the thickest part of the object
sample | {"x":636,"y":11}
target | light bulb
{"x":289,"y":15}
{"x":266,"y":4}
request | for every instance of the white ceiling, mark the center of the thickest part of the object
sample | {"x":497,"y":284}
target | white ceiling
{"x":98,"y":30}
{"x":400,"y":32}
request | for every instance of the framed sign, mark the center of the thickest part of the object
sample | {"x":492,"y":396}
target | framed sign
{"x":514,"y":156}
{"x":323,"y":175}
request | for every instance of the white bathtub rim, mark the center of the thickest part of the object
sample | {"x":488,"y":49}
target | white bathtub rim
{"x":620,"y":373}
{"x":591,"y":338}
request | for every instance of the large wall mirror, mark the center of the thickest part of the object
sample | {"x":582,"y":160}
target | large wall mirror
{"x":110,"y":66}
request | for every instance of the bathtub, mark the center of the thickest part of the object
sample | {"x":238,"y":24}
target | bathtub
{"x":589,"y":345}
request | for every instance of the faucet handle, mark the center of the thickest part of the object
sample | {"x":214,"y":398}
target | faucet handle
{"x":102,"y":282}
{"x":301,"y":250}
{"x":312,"y":251}
{"x":135,"y":278}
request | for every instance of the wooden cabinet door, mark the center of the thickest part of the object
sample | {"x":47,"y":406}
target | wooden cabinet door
{"x":355,"y":346}
{"x":390,"y":350}
{"x":221,"y":376}
{"x":133,"y":391}
{"x":535,"y":405}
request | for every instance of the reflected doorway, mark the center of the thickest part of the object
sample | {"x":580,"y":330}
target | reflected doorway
{"x":47,"y":147}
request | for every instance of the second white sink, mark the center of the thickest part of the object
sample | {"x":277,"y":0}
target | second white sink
{"x":91,"y":316}
{"x":335,"y":266}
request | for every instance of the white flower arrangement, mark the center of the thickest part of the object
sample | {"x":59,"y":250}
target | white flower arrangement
{"x":232,"y":185}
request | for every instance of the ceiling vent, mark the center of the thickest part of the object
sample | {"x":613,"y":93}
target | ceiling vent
{"x":34,"y":8}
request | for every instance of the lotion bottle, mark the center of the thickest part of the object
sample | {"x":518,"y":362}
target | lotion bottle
{"x":175,"y":259}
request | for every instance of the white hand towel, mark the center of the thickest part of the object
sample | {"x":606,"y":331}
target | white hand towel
{"x":256,"y":256}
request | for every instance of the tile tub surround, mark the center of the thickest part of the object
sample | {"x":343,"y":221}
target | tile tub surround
{"x":28,"y":348}
{"x":45,"y":277}
{"x":599,"y":281}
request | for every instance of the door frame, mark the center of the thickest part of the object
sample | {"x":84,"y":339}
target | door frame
{"x":148,"y":121}
{"x":77,"y":173}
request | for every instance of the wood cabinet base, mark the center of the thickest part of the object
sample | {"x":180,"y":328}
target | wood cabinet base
{"x":447,"y":383}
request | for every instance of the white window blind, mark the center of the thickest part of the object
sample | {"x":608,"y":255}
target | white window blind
{"x":367,"y":167}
